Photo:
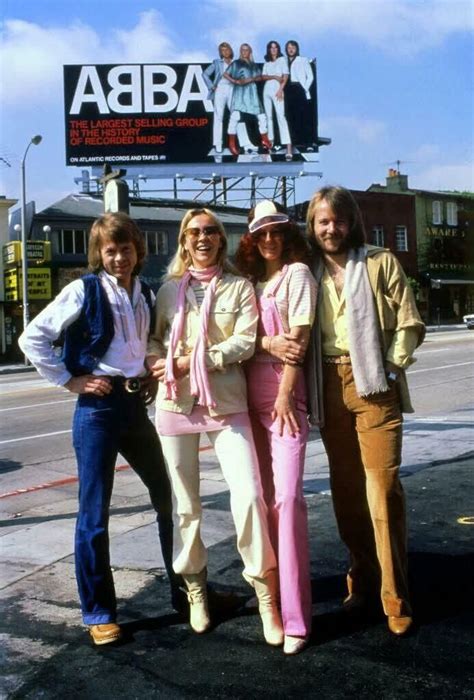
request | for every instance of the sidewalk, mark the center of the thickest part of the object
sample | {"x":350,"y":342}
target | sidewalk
{"x":47,"y":653}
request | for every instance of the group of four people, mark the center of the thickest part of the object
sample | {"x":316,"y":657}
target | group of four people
{"x":323,"y":325}
{"x":233,"y":85}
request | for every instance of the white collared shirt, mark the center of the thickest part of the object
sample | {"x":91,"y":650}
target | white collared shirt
{"x":126,"y":353}
{"x":300,"y":72}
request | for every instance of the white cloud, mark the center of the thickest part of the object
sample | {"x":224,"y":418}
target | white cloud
{"x":366,"y":131}
{"x":32,"y":55}
{"x":455,"y":176}
{"x":426,"y":152}
{"x":394,"y":26}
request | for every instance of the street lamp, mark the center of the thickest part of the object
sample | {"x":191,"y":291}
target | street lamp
{"x":24,"y":258}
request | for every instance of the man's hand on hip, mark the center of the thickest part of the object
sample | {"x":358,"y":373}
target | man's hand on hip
{"x":89,"y":384}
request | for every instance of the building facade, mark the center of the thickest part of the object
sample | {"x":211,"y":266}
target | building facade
{"x":64,"y":228}
{"x":445,"y":248}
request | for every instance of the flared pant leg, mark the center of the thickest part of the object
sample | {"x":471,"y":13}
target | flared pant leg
{"x":281,"y":461}
{"x":235,"y":451}
{"x":363,"y":439}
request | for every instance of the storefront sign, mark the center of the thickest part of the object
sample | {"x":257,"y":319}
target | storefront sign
{"x":39,"y":284}
{"x":37,"y":251}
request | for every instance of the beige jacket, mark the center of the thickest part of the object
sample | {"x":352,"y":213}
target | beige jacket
{"x":396,"y":309}
{"x":232,"y":334}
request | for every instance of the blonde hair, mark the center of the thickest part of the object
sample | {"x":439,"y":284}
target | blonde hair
{"x":182,"y":260}
{"x":225,"y":45}
{"x":250,"y":52}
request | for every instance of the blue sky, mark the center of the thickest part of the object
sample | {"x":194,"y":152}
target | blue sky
{"x":395,"y":78}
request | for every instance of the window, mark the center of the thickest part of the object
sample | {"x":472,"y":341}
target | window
{"x":72,"y":241}
{"x":156,"y":242}
{"x":377,"y":236}
{"x":401,"y":241}
{"x":436,"y":214}
{"x":452,"y":213}
{"x":233,"y":240}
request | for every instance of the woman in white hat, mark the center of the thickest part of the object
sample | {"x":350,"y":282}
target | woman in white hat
{"x":272,"y":255}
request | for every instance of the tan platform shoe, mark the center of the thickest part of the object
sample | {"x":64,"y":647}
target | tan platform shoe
{"x":105,"y":634}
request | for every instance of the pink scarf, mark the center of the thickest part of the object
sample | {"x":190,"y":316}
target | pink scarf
{"x":198,"y":371}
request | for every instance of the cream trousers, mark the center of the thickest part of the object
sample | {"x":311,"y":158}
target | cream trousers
{"x":235,"y":450}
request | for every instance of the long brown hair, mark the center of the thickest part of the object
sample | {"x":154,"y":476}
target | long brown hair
{"x":117,"y":227}
{"x":344,"y":205}
{"x":295,"y":247}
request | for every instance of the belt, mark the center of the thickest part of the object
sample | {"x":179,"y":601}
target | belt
{"x":132,"y":385}
{"x":337,"y":359}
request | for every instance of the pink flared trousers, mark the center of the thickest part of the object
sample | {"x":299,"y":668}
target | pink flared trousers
{"x":281,"y":461}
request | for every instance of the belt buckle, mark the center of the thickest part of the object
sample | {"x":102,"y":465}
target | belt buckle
{"x":132,"y":385}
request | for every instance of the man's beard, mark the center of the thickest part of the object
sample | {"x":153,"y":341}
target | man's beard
{"x":344,"y":244}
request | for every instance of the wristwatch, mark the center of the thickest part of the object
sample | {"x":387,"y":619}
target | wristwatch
{"x":392,"y":376}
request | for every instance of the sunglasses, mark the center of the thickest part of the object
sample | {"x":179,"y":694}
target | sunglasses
{"x":208,"y":231}
{"x":262,"y":234}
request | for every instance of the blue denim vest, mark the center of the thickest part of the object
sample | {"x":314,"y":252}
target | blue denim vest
{"x":87,"y":339}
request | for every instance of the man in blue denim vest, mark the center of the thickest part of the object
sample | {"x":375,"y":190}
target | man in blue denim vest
{"x":104,"y":319}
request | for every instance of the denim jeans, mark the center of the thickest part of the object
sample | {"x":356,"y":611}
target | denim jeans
{"x":102,"y":428}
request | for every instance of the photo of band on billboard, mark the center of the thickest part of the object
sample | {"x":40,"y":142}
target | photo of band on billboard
{"x":233,"y":110}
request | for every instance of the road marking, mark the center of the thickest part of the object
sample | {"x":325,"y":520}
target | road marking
{"x":68,"y":480}
{"x":432,"y":369}
{"x":36,"y":405}
{"x":437,"y":419}
{"x":34,"y":437}
{"x":52,"y":484}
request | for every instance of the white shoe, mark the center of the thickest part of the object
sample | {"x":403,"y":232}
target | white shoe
{"x":293,"y":645}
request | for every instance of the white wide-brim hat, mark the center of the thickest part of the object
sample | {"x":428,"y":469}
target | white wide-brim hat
{"x":266,"y":213}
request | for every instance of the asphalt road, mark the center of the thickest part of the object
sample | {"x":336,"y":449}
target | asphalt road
{"x":36,"y":418}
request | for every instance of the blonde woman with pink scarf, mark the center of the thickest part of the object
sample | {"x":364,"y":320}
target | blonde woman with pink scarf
{"x":205,"y":327}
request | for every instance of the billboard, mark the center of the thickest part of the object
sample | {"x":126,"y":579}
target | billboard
{"x":180,"y":113}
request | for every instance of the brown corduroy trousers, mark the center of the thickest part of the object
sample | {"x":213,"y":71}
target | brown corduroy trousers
{"x":363,"y":440}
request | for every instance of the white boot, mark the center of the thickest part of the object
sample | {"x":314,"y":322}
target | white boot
{"x":197,"y":596}
{"x":267,"y":591}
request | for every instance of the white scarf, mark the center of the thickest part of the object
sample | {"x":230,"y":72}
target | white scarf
{"x":363,"y":327}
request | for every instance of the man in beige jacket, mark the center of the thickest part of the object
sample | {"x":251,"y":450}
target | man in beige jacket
{"x":367,"y":328}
